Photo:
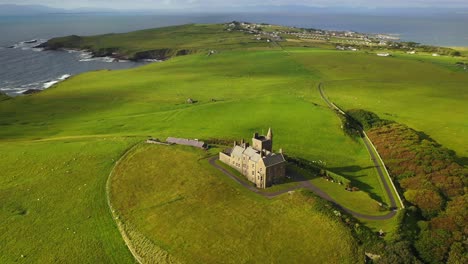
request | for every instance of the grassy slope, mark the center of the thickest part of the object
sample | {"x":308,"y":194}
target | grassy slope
{"x":186,"y":37}
{"x":280,"y":88}
{"x":151,"y":101}
{"x":185,"y":207}
{"x":421,"y":94}
{"x":53,"y":205}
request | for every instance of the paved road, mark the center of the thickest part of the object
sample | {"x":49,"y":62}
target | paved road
{"x":369,"y":147}
{"x":303,"y":183}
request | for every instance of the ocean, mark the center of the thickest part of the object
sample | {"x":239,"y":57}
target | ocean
{"x":23,"y":67}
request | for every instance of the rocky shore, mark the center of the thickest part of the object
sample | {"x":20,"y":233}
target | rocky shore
{"x":114,"y":53}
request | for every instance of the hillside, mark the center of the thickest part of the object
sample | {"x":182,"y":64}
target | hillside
{"x":60,"y":146}
{"x":3,"y":96}
{"x":161,"y":43}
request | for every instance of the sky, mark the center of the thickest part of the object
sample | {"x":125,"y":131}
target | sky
{"x":226,"y":4}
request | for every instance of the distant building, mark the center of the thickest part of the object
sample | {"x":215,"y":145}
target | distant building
{"x":258,"y":163}
{"x":187,"y":142}
{"x":383,"y":54}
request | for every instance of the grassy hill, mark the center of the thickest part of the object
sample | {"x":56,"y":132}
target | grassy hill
{"x":56,"y":141}
{"x":187,"y":209}
{"x":161,"y":43}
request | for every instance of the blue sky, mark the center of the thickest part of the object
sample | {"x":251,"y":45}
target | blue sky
{"x":223,"y":4}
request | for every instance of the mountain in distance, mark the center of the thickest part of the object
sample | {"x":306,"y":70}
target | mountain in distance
{"x":13,"y":10}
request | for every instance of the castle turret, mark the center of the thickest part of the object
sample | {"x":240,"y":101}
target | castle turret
{"x":270,"y":134}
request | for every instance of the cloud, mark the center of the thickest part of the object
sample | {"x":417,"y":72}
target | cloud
{"x":175,"y":4}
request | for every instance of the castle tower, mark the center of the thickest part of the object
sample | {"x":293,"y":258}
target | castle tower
{"x":261,"y":143}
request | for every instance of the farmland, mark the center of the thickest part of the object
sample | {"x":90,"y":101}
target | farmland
{"x":59,"y":146}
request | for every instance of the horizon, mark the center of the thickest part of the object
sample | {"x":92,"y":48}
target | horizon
{"x":209,"y":5}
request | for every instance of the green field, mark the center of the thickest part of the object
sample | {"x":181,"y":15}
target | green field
{"x":425,"y":95}
{"x":54,"y":142}
{"x":187,"y":209}
{"x":53,"y":207}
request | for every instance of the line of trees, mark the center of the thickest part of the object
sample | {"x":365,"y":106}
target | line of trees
{"x":434,"y":227}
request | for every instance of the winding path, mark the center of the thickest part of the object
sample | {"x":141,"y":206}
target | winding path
{"x":303,"y":184}
{"x":375,"y":157}
{"x":306,"y":184}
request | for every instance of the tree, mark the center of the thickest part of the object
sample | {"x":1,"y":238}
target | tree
{"x":455,"y":53}
{"x":398,"y":252}
{"x":457,"y":254}
{"x":433,"y":245}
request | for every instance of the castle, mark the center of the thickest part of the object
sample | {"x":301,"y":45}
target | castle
{"x":258,"y":163}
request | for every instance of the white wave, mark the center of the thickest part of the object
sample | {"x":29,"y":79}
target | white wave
{"x":29,"y":44}
{"x":49,"y":84}
{"x":101,"y":59}
{"x":64,"y":77}
{"x":152,"y":60}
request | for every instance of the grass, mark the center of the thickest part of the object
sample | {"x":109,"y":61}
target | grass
{"x":53,"y":205}
{"x":140,"y":102}
{"x":422,"y":94}
{"x":3,"y":97}
{"x":167,"y":41}
{"x":358,"y":201}
{"x":195,"y":214}
{"x":239,"y":91}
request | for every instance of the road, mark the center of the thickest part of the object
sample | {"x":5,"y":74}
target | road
{"x":303,"y":184}
{"x":372,"y":152}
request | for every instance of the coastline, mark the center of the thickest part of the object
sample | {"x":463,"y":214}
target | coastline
{"x":29,"y":69}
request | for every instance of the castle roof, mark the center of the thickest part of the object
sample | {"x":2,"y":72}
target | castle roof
{"x":273,"y":159}
{"x":237,"y":151}
{"x":269,"y":159}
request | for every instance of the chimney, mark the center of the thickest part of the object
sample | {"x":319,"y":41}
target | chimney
{"x":255,"y":135}
{"x":281,"y":151}
{"x":235,"y":143}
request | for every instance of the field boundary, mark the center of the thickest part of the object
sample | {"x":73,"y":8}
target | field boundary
{"x":372,"y":150}
{"x":115,"y":217}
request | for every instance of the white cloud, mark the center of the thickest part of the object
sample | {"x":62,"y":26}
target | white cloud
{"x":138,"y":4}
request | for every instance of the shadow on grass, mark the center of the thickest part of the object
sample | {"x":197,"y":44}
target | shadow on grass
{"x":344,"y":171}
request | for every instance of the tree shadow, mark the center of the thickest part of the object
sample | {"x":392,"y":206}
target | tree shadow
{"x":345,"y":172}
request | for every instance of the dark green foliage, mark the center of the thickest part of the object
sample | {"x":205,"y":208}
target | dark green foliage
{"x":433,"y":245}
{"x":366,"y":119}
{"x":306,"y":164}
{"x":398,"y":252}
{"x":458,"y":254}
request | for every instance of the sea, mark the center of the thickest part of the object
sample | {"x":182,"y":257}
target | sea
{"x":23,"y":67}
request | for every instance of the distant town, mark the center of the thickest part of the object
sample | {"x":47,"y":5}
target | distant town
{"x":343,"y":40}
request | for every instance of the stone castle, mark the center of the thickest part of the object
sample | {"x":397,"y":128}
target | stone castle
{"x":258,"y":162}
